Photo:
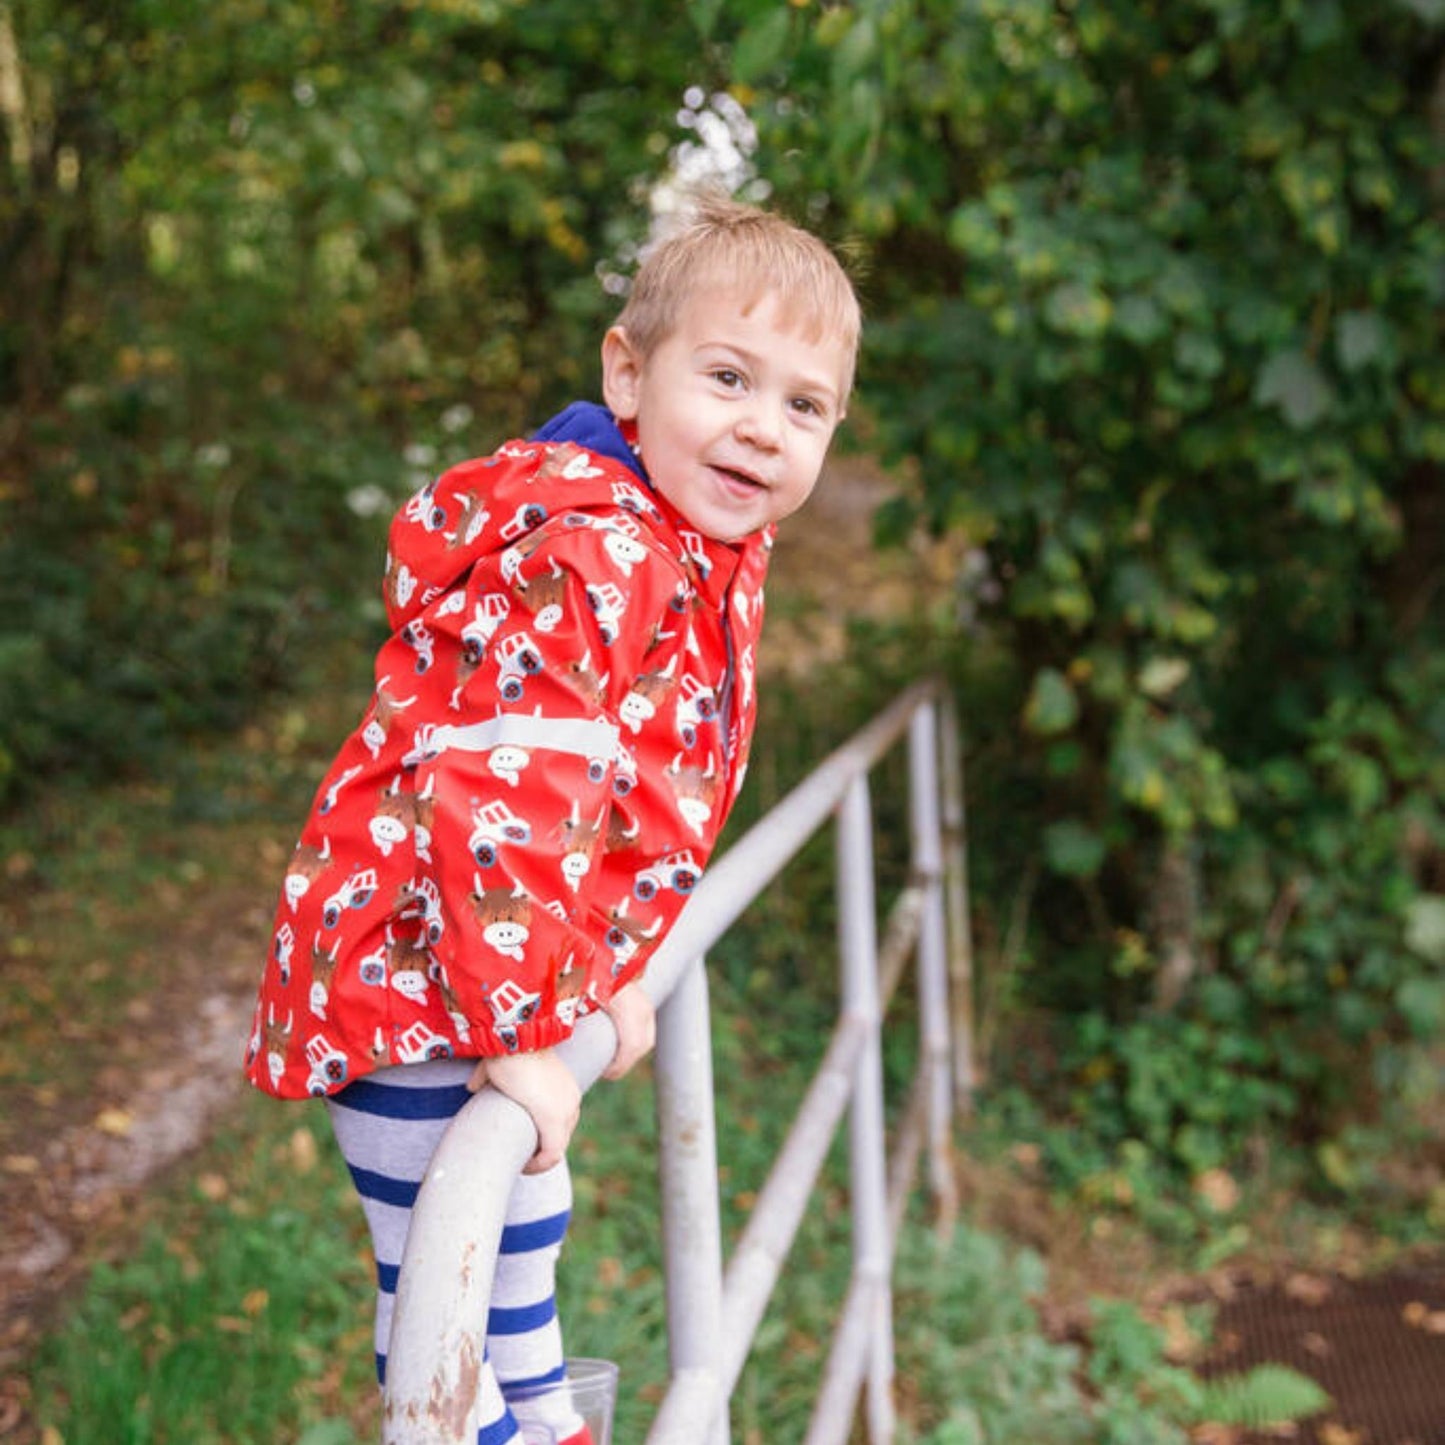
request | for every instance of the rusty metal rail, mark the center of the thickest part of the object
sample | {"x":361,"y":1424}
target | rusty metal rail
{"x":713,"y":1314}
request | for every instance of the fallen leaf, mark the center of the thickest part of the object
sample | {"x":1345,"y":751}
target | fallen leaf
{"x":1331,"y":1434}
{"x":1211,"y":1434}
{"x":1218,"y":1189}
{"x":1415,"y":1313}
{"x":1308,"y":1289}
{"x":302,"y":1149}
{"x":255,"y":1301}
{"x":116,"y":1122}
{"x":21,"y":1164}
{"x":1181,"y":1343}
{"x":213,"y":1187}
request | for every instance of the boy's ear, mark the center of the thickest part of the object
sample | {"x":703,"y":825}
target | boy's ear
{"x":621,"y":374}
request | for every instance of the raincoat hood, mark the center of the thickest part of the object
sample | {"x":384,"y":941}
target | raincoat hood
{"x":484,"y":507}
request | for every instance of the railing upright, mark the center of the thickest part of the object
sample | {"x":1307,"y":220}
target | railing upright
{"x":871,"y":1292}
{"x":933,"y":1007}
{"x":687,"y":1174}
{"x":960,"y":936}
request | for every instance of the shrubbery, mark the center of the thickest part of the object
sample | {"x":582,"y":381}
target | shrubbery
{"x":1154,"y":298}
{"x":258,"y":269}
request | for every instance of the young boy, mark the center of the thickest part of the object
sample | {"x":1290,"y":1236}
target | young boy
{"x":560,"y":725}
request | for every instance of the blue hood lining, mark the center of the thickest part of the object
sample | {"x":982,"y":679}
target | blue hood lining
{"x":594,"y":428}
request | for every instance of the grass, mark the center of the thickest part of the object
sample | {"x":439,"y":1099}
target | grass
{"x":241,"y":1312}
{"x":112,"y":898}
{"x":234,"y":1315}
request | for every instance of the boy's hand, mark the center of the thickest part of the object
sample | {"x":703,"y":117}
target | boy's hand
{"x":543,"y":1085}
{"x":632,"y":1013}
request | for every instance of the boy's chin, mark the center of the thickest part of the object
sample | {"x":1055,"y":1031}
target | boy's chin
{"x":720,"y":530}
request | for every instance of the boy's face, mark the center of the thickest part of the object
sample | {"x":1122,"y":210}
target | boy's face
{"x":734,"y":410}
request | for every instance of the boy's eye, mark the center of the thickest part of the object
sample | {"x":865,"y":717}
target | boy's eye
{"x":807,"y":406}
{"x":726,"y":376}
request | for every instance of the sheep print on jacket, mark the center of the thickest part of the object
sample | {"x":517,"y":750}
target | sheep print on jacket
{"x":559,"y":727}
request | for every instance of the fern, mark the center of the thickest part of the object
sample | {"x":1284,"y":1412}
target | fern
{"x":1265,"y":1395}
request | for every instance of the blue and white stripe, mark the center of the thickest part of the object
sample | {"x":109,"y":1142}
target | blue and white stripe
{"x":389,"y":1125}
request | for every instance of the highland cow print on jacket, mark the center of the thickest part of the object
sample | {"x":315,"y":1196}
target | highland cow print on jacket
{"x":555,"y":739}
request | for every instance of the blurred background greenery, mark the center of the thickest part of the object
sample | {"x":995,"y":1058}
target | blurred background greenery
{"x":1154,"y":337}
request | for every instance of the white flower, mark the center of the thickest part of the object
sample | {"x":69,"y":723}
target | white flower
{"x":367,"y":501}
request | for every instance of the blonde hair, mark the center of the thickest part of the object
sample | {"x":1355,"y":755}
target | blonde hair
{"x":721,"y":242}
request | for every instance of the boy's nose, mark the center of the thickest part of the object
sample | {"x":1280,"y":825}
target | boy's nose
{"x":761,"y":424}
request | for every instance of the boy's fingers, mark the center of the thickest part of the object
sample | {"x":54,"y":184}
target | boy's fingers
{"x":623,"y":1060}
{"x":541,"y":1084}
{"x":635,"y":1019}
{"x":478,"y":1078}
{"x":553,"y":1136}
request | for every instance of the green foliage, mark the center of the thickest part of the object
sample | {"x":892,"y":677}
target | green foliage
{"x":1267,"y":1395}
{"x":992,"y":1377}
{"x":1154,"y":299}
{"x":264,"y":269}
{"x":984,"y":1356}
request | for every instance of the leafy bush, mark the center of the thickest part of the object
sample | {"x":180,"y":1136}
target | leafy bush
{"x":258,"y":273}
{"x":986,"y":1366}
{"x":1154,"y":299}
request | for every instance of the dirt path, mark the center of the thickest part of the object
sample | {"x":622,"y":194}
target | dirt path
{"x":825,"y":571}
{"x":75,"y":1159}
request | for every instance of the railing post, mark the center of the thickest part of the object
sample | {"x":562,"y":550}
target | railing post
{"x":872,"y":1245}
{"x":442,"y":1296}
{"x":444,"y":1291}
{"x":439,"y":1326}
{"x":933,"y":1022}
{"x":960,"y":935}
{"x":687,"y":1169}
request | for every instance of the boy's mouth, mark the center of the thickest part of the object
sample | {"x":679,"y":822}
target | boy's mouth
{"x":740,"y":479}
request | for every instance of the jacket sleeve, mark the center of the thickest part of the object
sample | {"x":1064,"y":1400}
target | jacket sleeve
{"x":554,"y":649}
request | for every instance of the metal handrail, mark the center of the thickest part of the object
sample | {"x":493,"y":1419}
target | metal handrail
{"x":446,"y":1277}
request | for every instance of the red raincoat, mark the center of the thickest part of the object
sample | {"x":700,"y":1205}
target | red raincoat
{"x":560,"y":725}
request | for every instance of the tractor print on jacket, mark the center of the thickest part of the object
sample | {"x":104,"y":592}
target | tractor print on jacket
{"x":555,"y":738}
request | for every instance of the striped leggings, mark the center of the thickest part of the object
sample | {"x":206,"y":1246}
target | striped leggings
{"x":389,"y":1125}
